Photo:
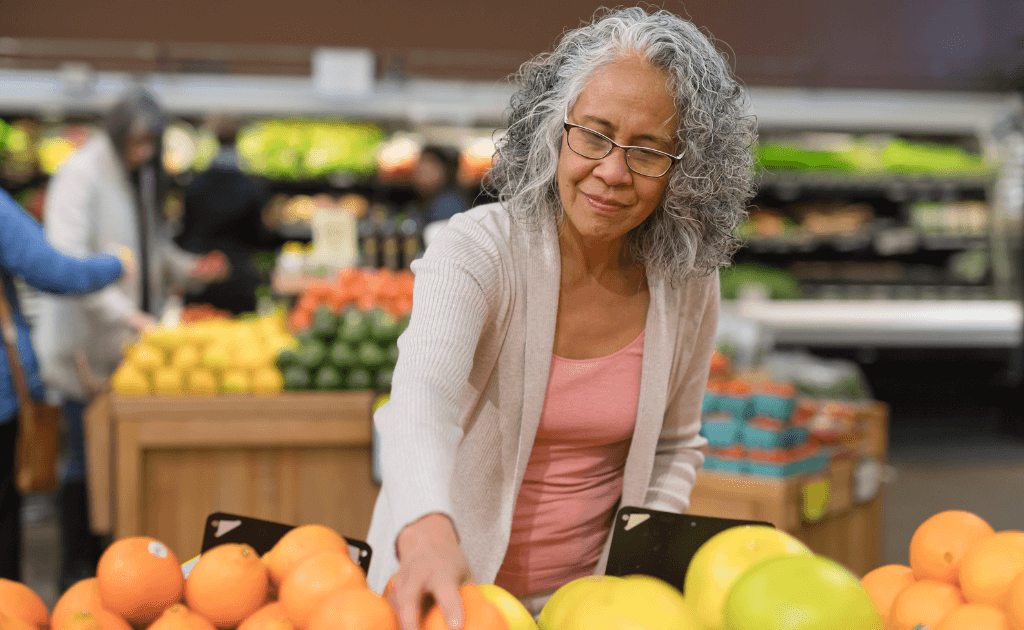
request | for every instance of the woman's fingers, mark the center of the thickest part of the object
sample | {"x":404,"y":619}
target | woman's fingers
{"x":450,"y":602}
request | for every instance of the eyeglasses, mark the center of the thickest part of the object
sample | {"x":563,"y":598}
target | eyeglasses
{"x":595,"y":146}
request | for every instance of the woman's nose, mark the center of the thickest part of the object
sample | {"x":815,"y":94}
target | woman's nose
{"x":613,"y":169}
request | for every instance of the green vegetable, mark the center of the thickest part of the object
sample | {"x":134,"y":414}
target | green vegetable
{"x":328,"y":378}
{"x":312,"y":354}
{"x":296,"y":378}
{"x":325,"y":324}
{"x":359,"y":379}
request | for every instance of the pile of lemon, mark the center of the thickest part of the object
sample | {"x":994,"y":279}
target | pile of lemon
{"x":217,"y":356}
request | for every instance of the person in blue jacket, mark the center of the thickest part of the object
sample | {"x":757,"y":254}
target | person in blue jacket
{"x":25,"y":253}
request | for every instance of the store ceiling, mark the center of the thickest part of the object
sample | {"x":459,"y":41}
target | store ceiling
{"x":911,"y":44}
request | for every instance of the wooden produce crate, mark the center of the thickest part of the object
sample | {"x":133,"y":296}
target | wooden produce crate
{"x":849,"y":532}
{"x":296,"y":457}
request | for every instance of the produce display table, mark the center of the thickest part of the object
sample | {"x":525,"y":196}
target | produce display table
{"x":848,"y":530}
{"x":160,"y":464}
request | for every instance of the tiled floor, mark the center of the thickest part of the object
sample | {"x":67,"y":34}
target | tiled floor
{"x":956,"y":459}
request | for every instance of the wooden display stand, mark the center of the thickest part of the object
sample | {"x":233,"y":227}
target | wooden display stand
{"x":849,"y":532}
{"x":168,"y":462}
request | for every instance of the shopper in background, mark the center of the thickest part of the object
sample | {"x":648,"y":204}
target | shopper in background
{"x":224,"y":212}
{"x":435,"y":180}
{"x":108,"y":194}
{"x":560,"y":340}
{"x":26,"y":254}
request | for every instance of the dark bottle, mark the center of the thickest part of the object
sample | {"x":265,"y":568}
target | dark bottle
{"x":412,"y":246}
{"x":390,"y":245}
{"x":369,"y":244}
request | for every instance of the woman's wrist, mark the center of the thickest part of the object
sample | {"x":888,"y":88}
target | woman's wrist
{"x":430,"y":530}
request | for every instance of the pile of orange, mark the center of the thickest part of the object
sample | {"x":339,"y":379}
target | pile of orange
{"x":307,"y":581}
{"x":963,"y":575}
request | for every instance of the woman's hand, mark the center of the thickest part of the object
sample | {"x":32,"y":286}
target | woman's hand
{"x":129,"y":268}
{"x":431,"y":563}
{"x":213,"y":267}
{"x":140,"y":321}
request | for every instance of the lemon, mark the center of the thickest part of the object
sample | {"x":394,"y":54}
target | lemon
{"x":130,"y":381}
{"x":249,"y":357}
{"x":147,"y":358}
{"x":268,"y":380}
{"x":217,"y":357}
{"x":202,"y":382}
{"x":186,"y":357}
{"x":166,"y":338}
{"x":236,"y":382}
{"x":168,"y":381}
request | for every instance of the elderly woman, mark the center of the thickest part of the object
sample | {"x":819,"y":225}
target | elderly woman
{"x":107,"y":195}
{"x":561,"y":339}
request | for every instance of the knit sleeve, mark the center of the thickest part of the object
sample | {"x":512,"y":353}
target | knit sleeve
{"x":678,"y":455}
{"x":454,"y":296}
{"x":26,"y":253}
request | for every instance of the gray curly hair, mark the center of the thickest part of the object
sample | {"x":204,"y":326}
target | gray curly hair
{"x":692,"y":230}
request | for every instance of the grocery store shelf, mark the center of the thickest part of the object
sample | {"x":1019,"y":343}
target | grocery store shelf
{"x":889,"y":323}
{"x":462,"y":102}
{"x":480,"y":102}
{"x":889,"y":182}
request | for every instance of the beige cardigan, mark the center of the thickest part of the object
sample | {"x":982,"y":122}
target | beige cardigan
{"x":469,"y":386}
{"x":91,"y":208}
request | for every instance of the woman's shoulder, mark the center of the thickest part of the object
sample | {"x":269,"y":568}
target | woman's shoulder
{"x":487,"y":226}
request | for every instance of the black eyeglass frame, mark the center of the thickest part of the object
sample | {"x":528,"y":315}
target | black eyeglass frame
{"x":566,"y":125}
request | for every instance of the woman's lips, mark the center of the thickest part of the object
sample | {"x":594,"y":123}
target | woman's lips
{"x":603,"y":206}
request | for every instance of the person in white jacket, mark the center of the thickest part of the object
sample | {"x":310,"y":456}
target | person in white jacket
{"x":106,"y":196}
{"x":560,"y":340}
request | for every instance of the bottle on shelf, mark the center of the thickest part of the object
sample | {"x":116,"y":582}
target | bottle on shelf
{"x":412,"y":243}
{"x":390,"y":248}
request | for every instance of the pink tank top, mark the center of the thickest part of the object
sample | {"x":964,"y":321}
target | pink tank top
{"x":574,"y":476}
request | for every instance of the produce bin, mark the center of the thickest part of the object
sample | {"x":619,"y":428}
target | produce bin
{"x":837,"y":513}
{"x":170,"y":461}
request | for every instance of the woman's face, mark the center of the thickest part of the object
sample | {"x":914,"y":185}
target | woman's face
{"x":139,"y":149}
{"x":629,"y":102}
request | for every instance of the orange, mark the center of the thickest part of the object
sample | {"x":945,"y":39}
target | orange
{"x":269,"y":617}
{"x":355,"y":609}
{"x":299,"y":544}
{"x":885,"y":583}
{"x":923,"y":602}
{"x":10,"y":622}
{"x":318,"y":577}
{"x":138,"y":578}
{"x":83,"y":596}
{"x":990,"y":566}
{"x":1015,"y":604}
{"x":940,"y":543}
{"x":974,"y":617}
{"x":179,"y":617}
{"x":82,"y":621}
{"x":227,"y":584}
{"x":480,"y":613}
{"x":20,"y":601}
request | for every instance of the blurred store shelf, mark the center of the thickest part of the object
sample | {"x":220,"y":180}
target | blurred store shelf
{"x":81,"y":89}
{"x":895,"y":323}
